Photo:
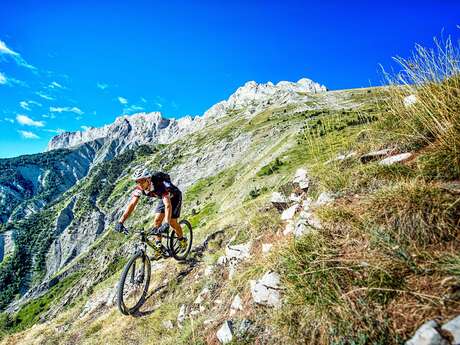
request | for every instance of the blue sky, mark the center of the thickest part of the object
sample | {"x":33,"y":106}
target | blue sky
{"x":65,"y":65}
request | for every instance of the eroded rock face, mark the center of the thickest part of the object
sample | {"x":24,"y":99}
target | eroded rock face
{"x":427,"y":334}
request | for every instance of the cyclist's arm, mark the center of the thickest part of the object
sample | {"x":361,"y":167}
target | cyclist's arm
{"x":129,"y":209}
{"x":168,"y":208}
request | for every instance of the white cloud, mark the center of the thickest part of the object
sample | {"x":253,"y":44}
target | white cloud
{"x":27,"y":121}
{"x":4,"y":50}
{"x":55,"y":85}
{"x":66,"y":110}
{"x":85,"y":128}
{"x":143,"y":100}
{"x":44,"y":96}
{"x":28,"y":135}
{"x":24,"y":105}
{"x":49,"y":116}
{"x":9,"y":119}
{"x":102,"y":86}
{"x":122,"y":100}
{"x":3,"y":80}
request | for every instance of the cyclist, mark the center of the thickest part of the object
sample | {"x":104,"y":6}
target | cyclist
{"x":157,"y":185}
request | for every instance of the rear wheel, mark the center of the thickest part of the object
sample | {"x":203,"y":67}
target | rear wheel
{"x":134,"y":283}
{"x":177,"y":252}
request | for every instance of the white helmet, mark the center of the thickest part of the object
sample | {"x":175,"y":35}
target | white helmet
{"x":141,"y":173}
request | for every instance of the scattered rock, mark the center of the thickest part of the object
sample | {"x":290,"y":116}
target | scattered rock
{"x":236,"y":305}
{"x":265,"y":291}
{"x":396,"y":158}
{"x":167,"y":324}
{"x":301,"y":179}
{"x":374,"y":155}
{"x":427,"y":334}
{"x":324,"y":198}
{"x":289,"y":213}
{"x":295,"y":197}
{"x":309,"y":218}
{"x":266,"y":247}
{"x":453,"y":329}
{"x":289,"y":228}
{"x":409,"y":100}
{"x":181,"y":315}
{"x":238,"y":252}
{"x":208,"y":322}
{"x":301,"y":228}
{"x":279,"y":201}
{"x":225,"y":333}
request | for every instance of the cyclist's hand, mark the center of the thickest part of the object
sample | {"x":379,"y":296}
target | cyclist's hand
{"x":164,"y":228}
{"x":121,"y":228}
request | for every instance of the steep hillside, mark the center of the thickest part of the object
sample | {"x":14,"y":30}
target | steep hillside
{"x":315,"y":221}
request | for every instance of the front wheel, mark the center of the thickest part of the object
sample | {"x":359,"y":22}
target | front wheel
{"x":177,"y":252}
{"x":134,"y":283}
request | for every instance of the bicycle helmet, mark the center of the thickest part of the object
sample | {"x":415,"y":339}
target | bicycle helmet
{"x":141,"y":173}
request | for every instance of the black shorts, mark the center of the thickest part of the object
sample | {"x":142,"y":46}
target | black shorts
{"x":176,"y":203}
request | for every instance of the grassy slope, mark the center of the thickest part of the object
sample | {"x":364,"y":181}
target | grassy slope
{"x":358,"y":279}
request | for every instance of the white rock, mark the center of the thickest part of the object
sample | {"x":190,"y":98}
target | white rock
{"x":295,"y":197}
{"x":324,"y":198}
{"x":427,"y":335}
{"x":236,"y":305}
{"x":239,"y":251}
{"x":301,"y":229}
{"x":208,"y":322}
{"x":453,"y":327}
{"x":168,"y":324}
{"x":301,"y":178}
{"x":266,"y":247}
{"x":181,"y":315}
{"x":374,"y":155}
{"x":224,"y":334}
{"x":396,"y":158}
{"x":194,"y":312}
{"x":265,"y":291}
{"x":289,"y":213}
{"x":409,"y":100}
{"x":278,"y":198}
{"x":289,"y":228}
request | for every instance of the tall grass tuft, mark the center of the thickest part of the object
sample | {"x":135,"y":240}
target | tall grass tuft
{"x":424,"y":106}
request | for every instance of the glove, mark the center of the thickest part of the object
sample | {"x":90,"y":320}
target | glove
{"x":163,"y":228}
{"x":121,"y":228}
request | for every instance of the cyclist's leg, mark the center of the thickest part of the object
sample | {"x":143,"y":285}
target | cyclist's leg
{"x":176,"y":205}
{"x":159,"y":216}
{"x":177,"y":228}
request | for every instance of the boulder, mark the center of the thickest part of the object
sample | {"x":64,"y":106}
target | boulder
{"x":324,"y":198}
{"x":225,"y":332}
{"x":289,"y":228}
{"x":396,"y":158}
{"x":289,"y":213}
{"x":279,"y":201}
{"x":239,"y":251}
{"x":181,"y":315}
{"x":373,"y":155}
{"x":301,"y":179}
{"x":453,"y":329}
{"x":427,"y":334}
{"x":236,"y":305}
{"x":265,"y":291}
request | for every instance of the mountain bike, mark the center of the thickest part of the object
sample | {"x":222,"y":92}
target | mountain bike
{"x":135,"y":279}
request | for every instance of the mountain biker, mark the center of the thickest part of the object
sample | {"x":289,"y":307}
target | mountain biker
{"x":157,"y":185}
